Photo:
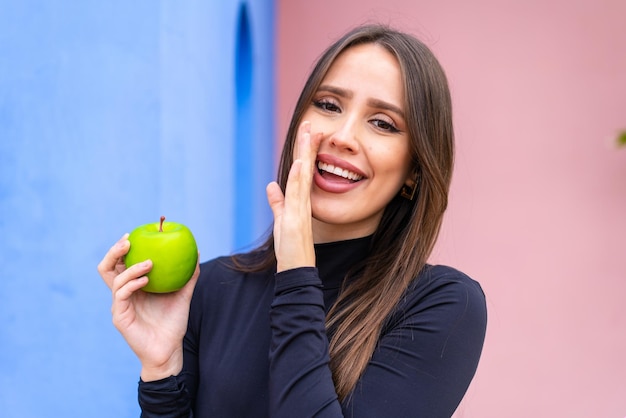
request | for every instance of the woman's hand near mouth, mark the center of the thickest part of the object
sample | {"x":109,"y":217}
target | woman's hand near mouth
{"x":293,"y":234}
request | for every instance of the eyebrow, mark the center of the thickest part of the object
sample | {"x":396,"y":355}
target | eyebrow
{"x":381,"y":104}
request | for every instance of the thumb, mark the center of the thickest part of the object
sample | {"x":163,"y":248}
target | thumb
{"x":275,"y":198}
{"x":187,"y":290}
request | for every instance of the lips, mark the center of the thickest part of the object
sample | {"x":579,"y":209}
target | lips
{"x":335,"y":175}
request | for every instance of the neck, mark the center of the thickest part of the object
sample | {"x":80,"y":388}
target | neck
{"x":324,"y":232}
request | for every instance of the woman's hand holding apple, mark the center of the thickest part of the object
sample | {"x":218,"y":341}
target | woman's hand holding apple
{"x":152,"y":324}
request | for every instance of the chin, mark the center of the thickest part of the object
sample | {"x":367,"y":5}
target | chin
{"x":346,"y":223}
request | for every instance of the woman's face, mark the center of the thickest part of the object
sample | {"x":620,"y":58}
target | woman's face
{"x":363,"y":159}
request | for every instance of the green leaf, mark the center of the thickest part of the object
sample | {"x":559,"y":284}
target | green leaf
{"x":621,"y":139}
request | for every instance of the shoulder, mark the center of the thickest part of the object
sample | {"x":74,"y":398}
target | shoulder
{"x":446,"y":294}
{"x":235,"y":262}
{"x":436,"y":336}
{"x":222,"y":277}
{"x":212,"y":273}
{"x":221,"y":271}
{"x":220,"y":265}
{"x":440,"y":278}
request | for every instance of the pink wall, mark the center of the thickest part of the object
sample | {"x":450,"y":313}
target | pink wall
{"x":538,"y":205}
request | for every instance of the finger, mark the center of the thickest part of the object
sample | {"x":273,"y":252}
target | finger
{"x":296,"y":186}
{"x":297,"y":147}
{"x":307,"y":143}
{"x":122,"y":295}
{"x":122,"y":308}
{"x":305,"y":127}
{"x":134,"y":272}
{"x":304,"y":148}
{"x":120,"y":266}
{"x":315,"y":142}
{"x":108,"y":264}
{"x":124,"y":287}
{"x":308,"y":147}
{"x":308,"y":161}
{"x":275,"y":198}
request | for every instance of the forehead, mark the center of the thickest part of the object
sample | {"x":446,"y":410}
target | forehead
{"x":369,"y":69}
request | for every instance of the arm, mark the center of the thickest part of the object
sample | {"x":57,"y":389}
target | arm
{"x":153,"y":325}
{"x":422,"y":366}
{"x":300,"y":379}
{"x":173,"y":396}
{"x":165,"y":398}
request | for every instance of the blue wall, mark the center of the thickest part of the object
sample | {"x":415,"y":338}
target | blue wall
{"x":111,"y":114}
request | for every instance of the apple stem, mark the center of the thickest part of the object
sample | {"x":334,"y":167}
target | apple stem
{"x":161,"y":225}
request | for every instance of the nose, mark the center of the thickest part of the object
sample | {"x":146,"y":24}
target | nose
{"x":344,"y":136}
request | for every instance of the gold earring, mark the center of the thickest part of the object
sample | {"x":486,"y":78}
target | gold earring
{"x":408,"y":192}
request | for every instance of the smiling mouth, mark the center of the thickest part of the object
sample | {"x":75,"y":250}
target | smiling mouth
{"x":324,"y":169}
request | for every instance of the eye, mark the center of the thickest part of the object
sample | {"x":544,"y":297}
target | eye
{"x":327,"y":105}
{"x":385,"y":125}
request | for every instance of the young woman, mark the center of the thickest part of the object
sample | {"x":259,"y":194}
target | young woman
{"x":338,"y":312}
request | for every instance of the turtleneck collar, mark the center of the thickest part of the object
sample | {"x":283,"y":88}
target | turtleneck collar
{"x":335,"y":259}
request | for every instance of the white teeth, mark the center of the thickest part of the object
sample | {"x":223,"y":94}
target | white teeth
{"x":338,"y":171}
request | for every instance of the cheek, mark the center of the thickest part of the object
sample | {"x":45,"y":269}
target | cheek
{"x":392,"y":159}
{"x":318,"y":124}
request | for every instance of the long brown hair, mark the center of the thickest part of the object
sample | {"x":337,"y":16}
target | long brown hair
{"x":408,"y":229}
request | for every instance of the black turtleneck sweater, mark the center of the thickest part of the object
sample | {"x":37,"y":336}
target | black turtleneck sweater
{"x":257,"y":346}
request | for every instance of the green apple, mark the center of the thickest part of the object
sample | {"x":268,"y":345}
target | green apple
{"x":172,"y":249}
